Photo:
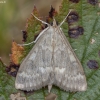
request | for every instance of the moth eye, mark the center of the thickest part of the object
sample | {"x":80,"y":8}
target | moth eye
{"x":74,"y":1}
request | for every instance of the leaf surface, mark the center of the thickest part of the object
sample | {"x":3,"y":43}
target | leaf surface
{"x":89,"y":20}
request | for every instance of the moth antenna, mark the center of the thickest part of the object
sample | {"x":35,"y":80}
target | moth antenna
{"x":39,"y":19}
{"x":35,"y":39}
{"x":26,"y":44}
{"x":65,"y":18}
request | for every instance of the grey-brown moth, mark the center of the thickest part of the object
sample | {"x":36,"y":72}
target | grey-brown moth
{"x":51,"y":61}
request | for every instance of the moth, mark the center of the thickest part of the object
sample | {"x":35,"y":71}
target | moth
{"x":51,"y":61}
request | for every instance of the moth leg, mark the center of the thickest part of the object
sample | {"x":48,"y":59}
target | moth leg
{"x":40,"y":19}
{"x":49,"y":88}
{"x":65,"y":18}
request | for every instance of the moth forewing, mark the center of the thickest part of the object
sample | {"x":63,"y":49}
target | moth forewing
{"x":34,"y":71}
{"x":69,"y":74}
{"x":51,"y":61}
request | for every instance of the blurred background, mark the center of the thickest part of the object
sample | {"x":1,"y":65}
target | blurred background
{"x":13,"y":16}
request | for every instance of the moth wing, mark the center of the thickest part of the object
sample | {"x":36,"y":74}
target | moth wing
{"x":34,"y":71}
{"x":69,"y":74}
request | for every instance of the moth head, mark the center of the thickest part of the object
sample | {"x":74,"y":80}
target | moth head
{"x":54,"y":22}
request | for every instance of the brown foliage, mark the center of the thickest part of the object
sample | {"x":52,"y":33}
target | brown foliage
{"x":17,"y":53}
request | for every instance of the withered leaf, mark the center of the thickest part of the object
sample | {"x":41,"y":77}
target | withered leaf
{"x":16,"y":53}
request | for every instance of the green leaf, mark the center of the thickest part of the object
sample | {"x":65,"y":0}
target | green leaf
{"x":90,"y":21}
{"x":6,"y":83}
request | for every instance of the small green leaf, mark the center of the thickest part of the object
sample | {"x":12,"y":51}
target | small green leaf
{"x":6,"y":83}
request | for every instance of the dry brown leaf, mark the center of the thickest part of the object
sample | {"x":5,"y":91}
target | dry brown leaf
{"x":17,"y":53}
{"x":51,"y":96}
